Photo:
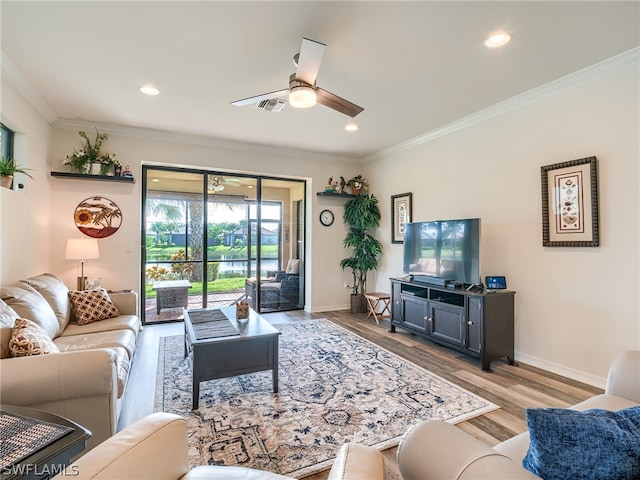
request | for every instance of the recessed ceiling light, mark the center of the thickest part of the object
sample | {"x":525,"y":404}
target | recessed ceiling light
{"x":351,"y":127}
{"x":149,"y":90}
{"x":497,"y":39}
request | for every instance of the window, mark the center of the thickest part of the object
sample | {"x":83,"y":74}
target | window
{"x":6,"y":142}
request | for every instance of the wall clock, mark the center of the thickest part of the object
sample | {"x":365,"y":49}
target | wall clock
{"x":326,"y":217}
{"x":98,"y":217}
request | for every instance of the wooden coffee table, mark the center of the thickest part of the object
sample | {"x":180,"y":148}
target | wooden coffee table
{"x":253,"y":348}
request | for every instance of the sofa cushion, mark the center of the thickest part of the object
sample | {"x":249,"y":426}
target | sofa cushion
{"x":91,"y":306}
{"x":124,"y":338}
{"x":7,"y":319}
{"x":121,"y":322}
{"x":293,"y":266}
{"x":28,"y":339}
{"x":55,"y":293}
{"x":568,"y":444}
{"x":516,"y":447}
{"x":28,"y":303}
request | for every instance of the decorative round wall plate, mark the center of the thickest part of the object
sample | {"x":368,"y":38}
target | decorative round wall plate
{"x":98,"y":217}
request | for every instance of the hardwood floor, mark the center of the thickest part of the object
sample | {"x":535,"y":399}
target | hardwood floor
{"x":513,"y":388}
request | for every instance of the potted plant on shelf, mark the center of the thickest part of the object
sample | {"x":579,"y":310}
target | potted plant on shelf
{"x":83,"y":160}
{"x":357,"y":184}
{"x":8,"y":168}
{"x":361,"y":214}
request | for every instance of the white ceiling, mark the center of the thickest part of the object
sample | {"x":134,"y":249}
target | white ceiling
{"x":414,"y":66}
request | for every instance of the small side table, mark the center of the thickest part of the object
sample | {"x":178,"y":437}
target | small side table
{"x":377,"y":298}
{"x":172,"y":293}
{"x":48,"y":461}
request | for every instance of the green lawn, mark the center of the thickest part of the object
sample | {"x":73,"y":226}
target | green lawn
{"x":220,"y":285}
{"x":213,"y":253}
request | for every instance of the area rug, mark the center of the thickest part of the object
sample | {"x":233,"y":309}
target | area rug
{"x":334,"y":387}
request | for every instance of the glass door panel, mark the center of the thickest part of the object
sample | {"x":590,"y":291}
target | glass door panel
{"x":281,"y":245}
{"x":229,"y":249}
{"x":173,"y":243}
{"x":212,"y":239}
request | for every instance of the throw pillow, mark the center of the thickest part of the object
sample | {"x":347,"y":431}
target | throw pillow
{"x":569,"y":444}
{"x":92,"y":305}
{"x":27,"y":338}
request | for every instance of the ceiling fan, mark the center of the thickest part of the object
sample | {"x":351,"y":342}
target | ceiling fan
{"x":303,"y":91}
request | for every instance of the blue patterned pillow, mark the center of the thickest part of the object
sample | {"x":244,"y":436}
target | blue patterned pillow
{"x":595,"y":444}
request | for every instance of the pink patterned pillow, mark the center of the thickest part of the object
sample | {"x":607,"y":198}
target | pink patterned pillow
{"x":28,"y":338}
{"x":92,"y":305}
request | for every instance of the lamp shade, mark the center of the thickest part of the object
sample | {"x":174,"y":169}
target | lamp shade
{"x":82,"y":249}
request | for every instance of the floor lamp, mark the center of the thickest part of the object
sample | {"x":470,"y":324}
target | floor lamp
{"x":82,"y":249}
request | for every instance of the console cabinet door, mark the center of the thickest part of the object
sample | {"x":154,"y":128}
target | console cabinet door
{"x":396,"y":302}
{"x":446,"y":322}
{"x":475,"y":318}
{"x":415,"y":313}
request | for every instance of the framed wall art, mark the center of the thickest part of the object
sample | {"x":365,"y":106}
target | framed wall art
{"x":570,"y":204}
{"x":400,"y":214}
{"x":98,"y":217}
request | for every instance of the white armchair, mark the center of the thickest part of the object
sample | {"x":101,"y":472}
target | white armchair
{"x":438,"y":450}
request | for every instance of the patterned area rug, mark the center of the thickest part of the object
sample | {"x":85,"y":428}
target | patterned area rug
{"x":335,"y":387}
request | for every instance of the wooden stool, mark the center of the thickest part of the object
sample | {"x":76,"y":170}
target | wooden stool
{"x":373,"y":300}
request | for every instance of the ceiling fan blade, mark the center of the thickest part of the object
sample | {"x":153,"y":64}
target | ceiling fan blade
{"x":330,"y":100}
{"x":259,"y":98}
{"x":309,"y":60}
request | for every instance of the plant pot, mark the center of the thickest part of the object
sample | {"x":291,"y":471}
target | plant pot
{"x":6,"y":181}
{"x":358,"y":303}
{"x":356,"y":190}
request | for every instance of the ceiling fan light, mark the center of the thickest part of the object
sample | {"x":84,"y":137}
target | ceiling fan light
{"x":302,"y":96}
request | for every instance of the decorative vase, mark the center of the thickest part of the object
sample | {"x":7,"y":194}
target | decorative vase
{"x":6,"y":181}
{"x":356,"y":190}
{"x":95,"y":169}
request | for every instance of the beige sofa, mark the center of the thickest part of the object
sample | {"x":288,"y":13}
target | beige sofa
{"x":85,"y":382}
{"x":438,"y":450}
{"x":155,"y":448}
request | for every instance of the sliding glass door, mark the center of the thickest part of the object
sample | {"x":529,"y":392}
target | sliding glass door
{"x":212,"y":239}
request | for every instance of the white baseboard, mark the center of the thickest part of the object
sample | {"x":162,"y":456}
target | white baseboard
{"x":563,"y":370}
{"x":329,"y":308}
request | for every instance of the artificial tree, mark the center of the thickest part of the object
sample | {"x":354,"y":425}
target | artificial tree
{"x":361,"y":215}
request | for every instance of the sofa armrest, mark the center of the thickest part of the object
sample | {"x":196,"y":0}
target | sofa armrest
{"x":126,"y":302}
{"x":357,"y":462}
{"x":437,"y":450}
{"x":624,"y":376}
{"x":152,"y":448}
{"x":41,"y":379}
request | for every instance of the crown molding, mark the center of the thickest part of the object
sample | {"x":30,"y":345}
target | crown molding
{"x":13,"y":76}
{"x":202,"y":141}
{"x":610,"y":66}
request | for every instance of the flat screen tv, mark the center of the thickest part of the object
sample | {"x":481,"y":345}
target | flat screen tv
{"x":443,"y":250}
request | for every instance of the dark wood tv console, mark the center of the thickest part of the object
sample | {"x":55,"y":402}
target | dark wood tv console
{"x":478,"y":324}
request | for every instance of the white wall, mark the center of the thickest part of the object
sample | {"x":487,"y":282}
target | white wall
{"x":25,"y":214}
{"x":575,"y":307}
{"x":118,"y":269}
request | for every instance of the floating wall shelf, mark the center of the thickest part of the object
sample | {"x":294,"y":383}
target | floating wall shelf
{"x":86,"y":176}
{"x":335,"y":194}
